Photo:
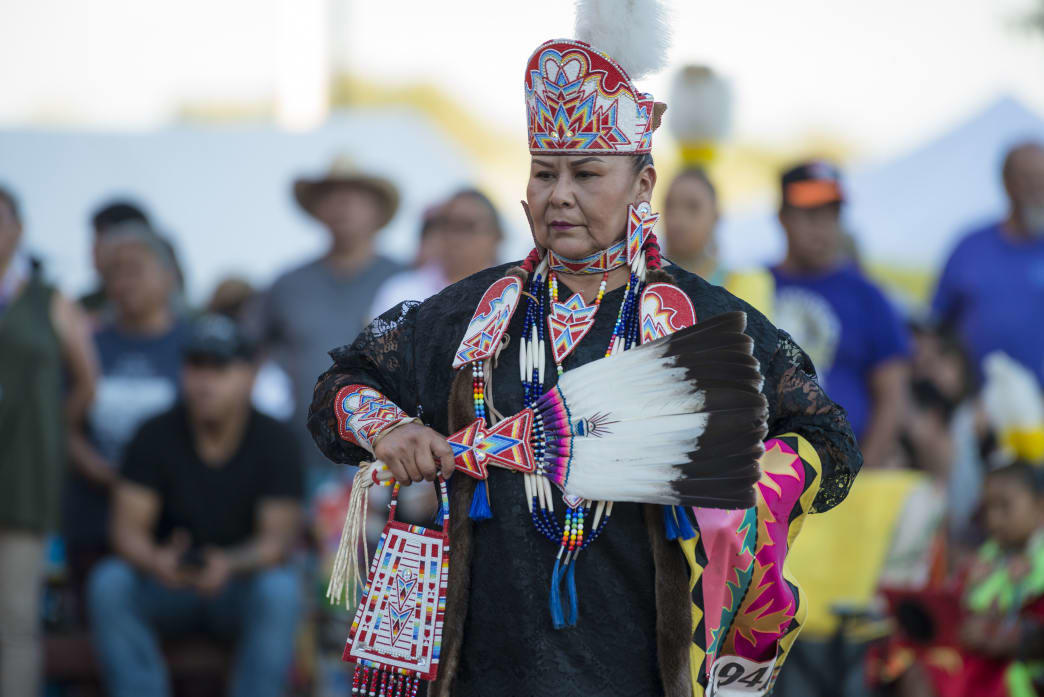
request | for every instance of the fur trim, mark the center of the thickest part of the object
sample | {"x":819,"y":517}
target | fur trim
{"x":673,"y":607}
{"x":658,"y":276}
{"x":458,"y":585}
{"x":519,"y":273}
{"x":461,"y":400}
{"x":458,"y":589}
{"x":634,"y":33}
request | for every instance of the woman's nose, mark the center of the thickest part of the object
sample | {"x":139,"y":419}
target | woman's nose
{"x":562,"y":194}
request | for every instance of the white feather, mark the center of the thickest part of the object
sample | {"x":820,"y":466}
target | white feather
{"x":1011,"y":394}
{"x":634,"y":33}
{"x":653,"y":424}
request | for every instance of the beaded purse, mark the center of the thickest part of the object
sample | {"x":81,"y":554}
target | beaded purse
{"x":396,"y":634}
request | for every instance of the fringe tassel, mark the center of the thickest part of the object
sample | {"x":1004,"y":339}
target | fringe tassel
{"x":480,"y":508}
{"x":556,"y":601}
{"x":574,"y":609}
{"x":685,"y":529}
{"x":345,"y":576}
{"x":670,"y":526}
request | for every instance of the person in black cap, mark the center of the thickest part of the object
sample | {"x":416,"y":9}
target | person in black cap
{"x":205,"y":512}
{"x":855,"y":337}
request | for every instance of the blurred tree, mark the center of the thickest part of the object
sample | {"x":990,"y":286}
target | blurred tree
{"x":1035,"y":19}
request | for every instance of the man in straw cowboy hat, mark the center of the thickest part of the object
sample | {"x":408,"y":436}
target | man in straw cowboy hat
{"x":309,"y":308}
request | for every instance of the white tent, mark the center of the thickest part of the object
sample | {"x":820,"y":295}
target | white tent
{"x":909,"y":210}
{"x":222,"y":193}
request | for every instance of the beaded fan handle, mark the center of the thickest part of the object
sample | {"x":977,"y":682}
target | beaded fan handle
{"x":441,"y":492}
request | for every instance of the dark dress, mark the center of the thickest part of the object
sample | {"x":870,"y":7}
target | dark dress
{"x":509,"y":645}
{"x":32,"y":431}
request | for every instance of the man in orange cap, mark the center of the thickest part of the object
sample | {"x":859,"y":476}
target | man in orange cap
{"x":854,"y":335}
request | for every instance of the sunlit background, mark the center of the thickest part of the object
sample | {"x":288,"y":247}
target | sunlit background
{"x":204,"y":111}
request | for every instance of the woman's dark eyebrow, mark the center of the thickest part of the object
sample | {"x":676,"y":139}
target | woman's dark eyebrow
{"x":542,"y":163}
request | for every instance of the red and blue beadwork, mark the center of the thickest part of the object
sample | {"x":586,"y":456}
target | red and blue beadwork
{"x":396,"y":634}
{"x":362,"y":413}
{"x":580,"y":100}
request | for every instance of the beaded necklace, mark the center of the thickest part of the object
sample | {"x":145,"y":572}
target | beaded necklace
{"x":565,"y":324}
{"x":569,"y":535}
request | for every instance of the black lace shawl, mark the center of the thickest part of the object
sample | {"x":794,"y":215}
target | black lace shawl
{"x":509,"y":646}
{"x":407,"y":353}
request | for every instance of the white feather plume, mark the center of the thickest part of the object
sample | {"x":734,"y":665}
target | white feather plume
{"x":1011,"y":394}
{"x":653,"y":425}
{"x":634,"y":33}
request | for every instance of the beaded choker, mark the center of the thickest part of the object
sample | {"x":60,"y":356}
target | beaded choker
{"x":599,"y":262}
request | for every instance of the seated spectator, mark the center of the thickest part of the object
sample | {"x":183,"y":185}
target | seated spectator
{"x":985,"y":637}
{"x":273,"y":391}
{"x":110,"y":215}
{"x":139,"y":350}
{"x":940,"y":366}
{"x":991,"y":289}
{"x":1003,"y":632}
{"x":47,"y":368}
{"x":205,"y":512}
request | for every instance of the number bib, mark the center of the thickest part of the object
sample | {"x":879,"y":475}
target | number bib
{"x":732,"y":676}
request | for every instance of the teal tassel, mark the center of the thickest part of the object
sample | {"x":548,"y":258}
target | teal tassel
{"x":480,"y":508}
{"x":556,"y":600}
{"x":669,"y":524}
{"x":573,"y":604}
{"x":685,"y":529}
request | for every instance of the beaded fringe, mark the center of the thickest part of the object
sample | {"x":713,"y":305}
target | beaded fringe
{"x":373,"y":682}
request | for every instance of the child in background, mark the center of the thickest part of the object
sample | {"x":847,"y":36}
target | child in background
{"x":1003,"y":632}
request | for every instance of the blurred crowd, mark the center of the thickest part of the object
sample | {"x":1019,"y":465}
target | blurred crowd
{"x":158,"y":482}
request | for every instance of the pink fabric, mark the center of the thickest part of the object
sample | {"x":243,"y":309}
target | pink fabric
{"x":770,"y":604}
{"x":728,"y":538}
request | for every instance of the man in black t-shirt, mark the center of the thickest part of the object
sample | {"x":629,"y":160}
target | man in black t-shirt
{"x":204,"y":516}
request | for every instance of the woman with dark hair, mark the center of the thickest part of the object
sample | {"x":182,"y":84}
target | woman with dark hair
{"x":657,"y":585}
{"x":690,"y":215}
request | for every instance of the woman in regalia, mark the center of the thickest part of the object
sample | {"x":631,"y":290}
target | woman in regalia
{"x":663,"y":599}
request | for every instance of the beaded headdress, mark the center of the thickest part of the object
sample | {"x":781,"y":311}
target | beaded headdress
{"x":579,"y":93}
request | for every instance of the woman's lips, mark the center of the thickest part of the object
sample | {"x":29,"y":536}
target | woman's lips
{"x":562,"y":225}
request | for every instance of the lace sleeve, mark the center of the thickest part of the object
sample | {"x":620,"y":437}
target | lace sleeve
{"x":380,"y":357}
{"x":802,"y":407}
